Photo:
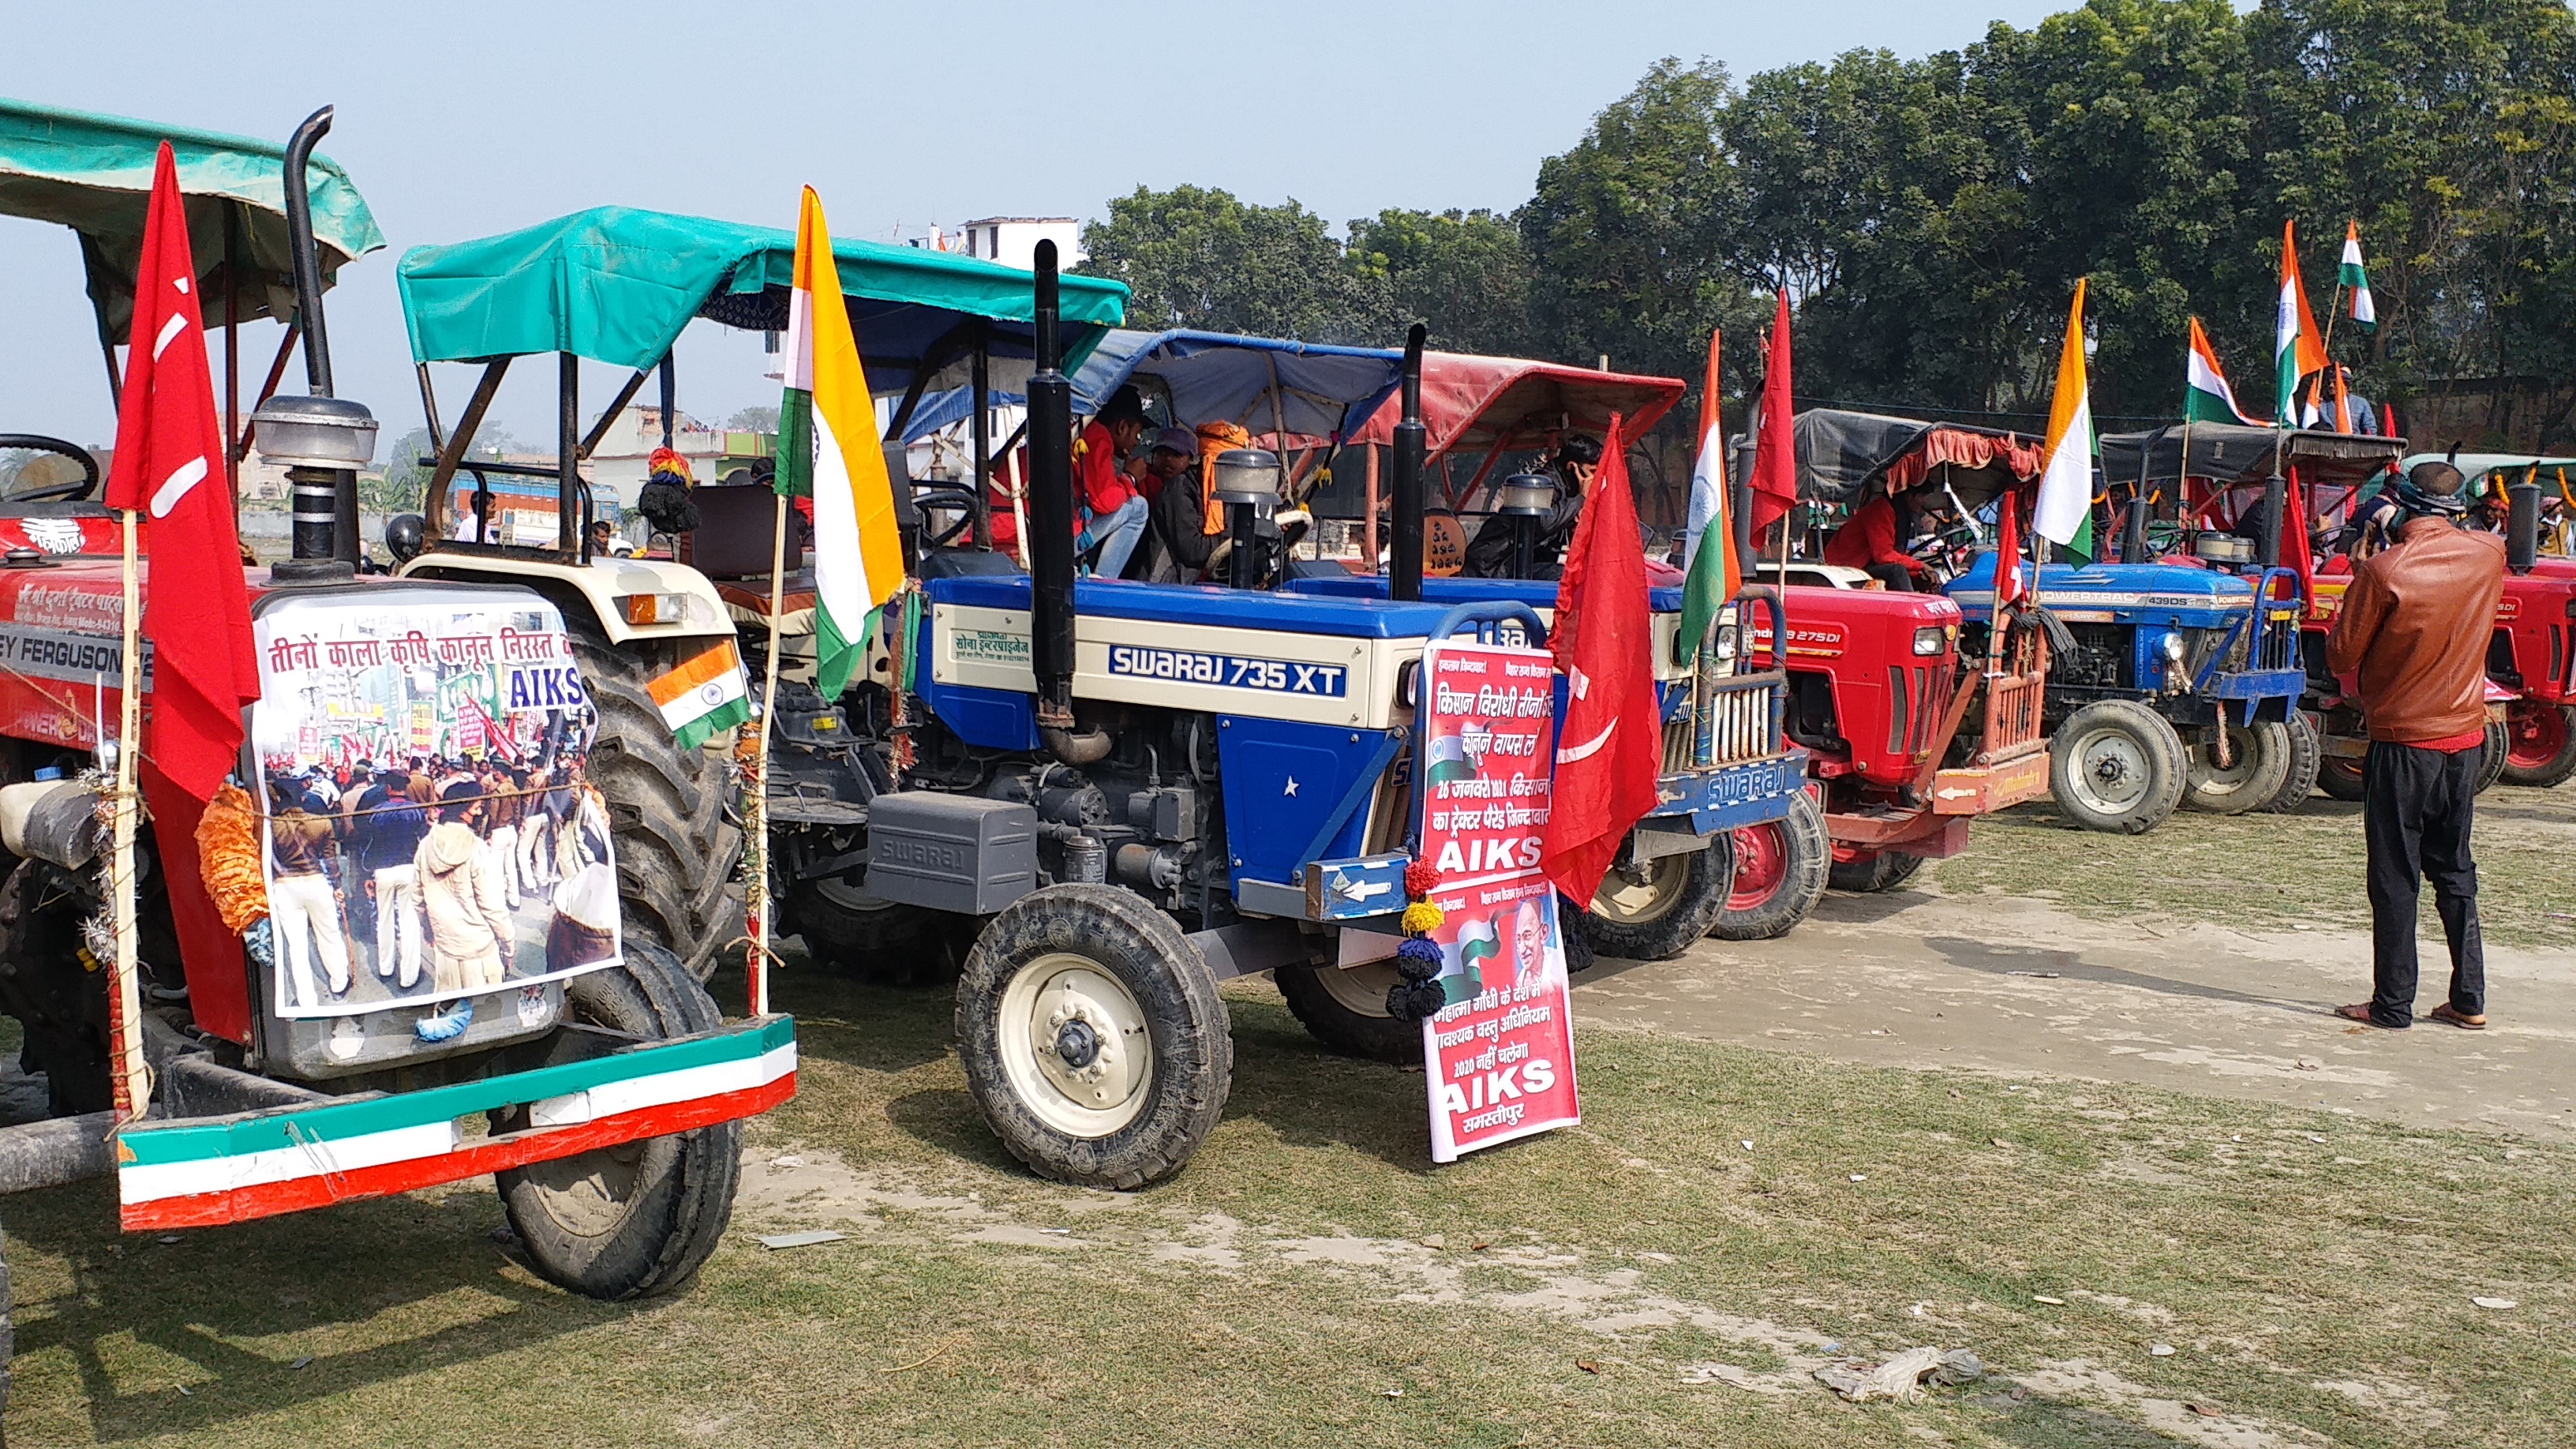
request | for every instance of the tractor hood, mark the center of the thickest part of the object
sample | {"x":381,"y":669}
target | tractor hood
{"x":2114,"y":593}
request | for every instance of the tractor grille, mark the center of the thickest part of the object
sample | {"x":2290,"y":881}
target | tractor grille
{"x":1738,"y":719}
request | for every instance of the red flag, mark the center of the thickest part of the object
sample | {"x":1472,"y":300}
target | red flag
{"x":2294,"y":541}
{"x":2007,"y":551}
{"x":169,"y":466}
{"x":1775,"y":454}
{"x":1611,"y":747}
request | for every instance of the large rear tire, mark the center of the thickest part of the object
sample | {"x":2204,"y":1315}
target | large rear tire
{"x":1092,"y":1036}
{"x":2258,"y":765}
{"x":1780,"y":872}
{"x":638,"y":1218}
{"x":1872,"y":871}
{"x":2306,"y":760}
{"x":1345,"y":1009}
{"x":2116,"y":766}
{"x":1654,"y":911}
{"x":676,"y":851}
{"x":2540,"y":747}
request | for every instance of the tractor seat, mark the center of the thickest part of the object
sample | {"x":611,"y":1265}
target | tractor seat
{"x":746,"y":601}
{"x":737,"y":532}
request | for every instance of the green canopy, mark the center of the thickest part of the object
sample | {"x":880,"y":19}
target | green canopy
{"x":617,"y":285}
{"x":94,"y":174}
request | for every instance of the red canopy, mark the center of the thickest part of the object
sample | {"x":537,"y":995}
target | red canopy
{"x":1970,"y":450}
{"x":1470,"y":404}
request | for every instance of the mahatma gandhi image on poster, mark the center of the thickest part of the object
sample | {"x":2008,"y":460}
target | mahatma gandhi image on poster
{"x":429,"y":834}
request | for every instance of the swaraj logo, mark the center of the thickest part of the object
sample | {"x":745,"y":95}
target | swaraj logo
{"x":542,"y":689}
{"x":1822,"y":641}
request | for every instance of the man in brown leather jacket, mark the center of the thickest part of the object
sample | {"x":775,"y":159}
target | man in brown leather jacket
{"x":2410,"y":641}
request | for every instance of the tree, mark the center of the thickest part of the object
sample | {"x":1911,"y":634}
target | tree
{"x":1465,"y":274}
{"x":757,"y":419}
{"x":1197,"y":257}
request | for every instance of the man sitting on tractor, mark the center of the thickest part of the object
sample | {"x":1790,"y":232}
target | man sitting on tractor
{"x":1117,"y":511}
{"x":1870,"y":540}
{"x":1489,"y":554}
{"x":1178,"y":544}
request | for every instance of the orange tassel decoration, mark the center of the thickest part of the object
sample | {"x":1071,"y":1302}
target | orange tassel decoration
{"x":228,"y":858}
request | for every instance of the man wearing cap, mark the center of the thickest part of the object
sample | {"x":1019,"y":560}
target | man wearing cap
{"x":1178,"y":545}
{"x":1117,"y":513}
{"x":2410,"y":641}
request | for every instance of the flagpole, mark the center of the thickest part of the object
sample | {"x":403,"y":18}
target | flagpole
{"x":132,"y":1092}
{"x":756,"y":811}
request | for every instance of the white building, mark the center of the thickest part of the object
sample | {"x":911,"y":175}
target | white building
{"x":1012,"y":240}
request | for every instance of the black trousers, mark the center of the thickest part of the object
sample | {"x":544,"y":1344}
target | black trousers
{"x":2415,"y":820}
{"x":1896,"y":576}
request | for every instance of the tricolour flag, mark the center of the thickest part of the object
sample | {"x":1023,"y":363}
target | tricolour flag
{"x":2296,"y":350}
{"x":703,"y":695}
{"x":2356,"y":282}
{"x":2065,"y":506}
{"x":828,"y":448}
{"x":1714,"y":572}
{"x":2206,"y":397}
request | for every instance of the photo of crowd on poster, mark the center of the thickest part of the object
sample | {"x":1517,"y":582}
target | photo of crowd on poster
{"x":430,"y":835}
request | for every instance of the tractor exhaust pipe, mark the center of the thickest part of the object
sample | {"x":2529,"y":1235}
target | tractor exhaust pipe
{"x":2522,"y":523}
{"x":1404,"y":580}
{"x":340,"y":541}
{"x":1050,"y":535}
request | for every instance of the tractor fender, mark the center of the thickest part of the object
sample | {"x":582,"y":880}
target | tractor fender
{"x":50,"y":820}
{"x":596,"y":590}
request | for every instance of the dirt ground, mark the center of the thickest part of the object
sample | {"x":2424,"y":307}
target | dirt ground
{"x":2205,"y":957}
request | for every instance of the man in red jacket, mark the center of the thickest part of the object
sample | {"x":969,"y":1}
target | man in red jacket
{"x":2410,"y":640}
{"x":1117,"y":520}
{"x":1872,"y":540}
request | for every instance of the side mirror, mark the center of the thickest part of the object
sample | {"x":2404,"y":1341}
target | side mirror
{"x":404,"y":533}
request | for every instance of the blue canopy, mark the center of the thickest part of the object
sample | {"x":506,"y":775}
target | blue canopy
{"x":1266,"y":384}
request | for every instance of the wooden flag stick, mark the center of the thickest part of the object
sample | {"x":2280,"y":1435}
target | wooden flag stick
{"x":756,"y":805}
{"x":132,"y":1091}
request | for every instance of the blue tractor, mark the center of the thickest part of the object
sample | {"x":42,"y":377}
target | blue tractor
{"x":2176,"y":683}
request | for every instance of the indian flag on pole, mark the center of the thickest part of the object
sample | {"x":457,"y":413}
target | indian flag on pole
{"x":2356,"y":282}
{"x":2064,"y":512}
{"x":2206,"y":397}
{"x":2296,"y":350}
{"x":704,"y":695}
{"x":1714,"y":573}
{"x":829,"y":450}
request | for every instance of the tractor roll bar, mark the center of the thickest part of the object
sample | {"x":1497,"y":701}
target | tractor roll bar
{"x":1768,"y":596}
{"x":1484,"y":615}
{"x":1404,"y":574}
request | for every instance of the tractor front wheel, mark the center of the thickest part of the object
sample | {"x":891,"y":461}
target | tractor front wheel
{"x":1344,"y":1007}
{"x":1867,"y":872}
{"x":1654,"y":909}
{"x":1780,"y":870}
{"x":1092,"y":1036}
{"x":638,"y":1218}
{"x":2540,"y":748}
{"x":2307,"y":759}
{"x":2116,"y":766}
{"x":2258,"y":765}
{"x":2494,"y":755}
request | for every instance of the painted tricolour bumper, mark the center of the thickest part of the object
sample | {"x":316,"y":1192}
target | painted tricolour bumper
{"x":1731,"y":797}
{"x":197,"y":1172}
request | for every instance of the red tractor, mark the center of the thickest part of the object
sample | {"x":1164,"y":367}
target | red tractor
{"x":1903,"y":749}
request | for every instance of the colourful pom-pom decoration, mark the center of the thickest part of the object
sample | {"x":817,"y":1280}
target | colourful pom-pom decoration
{"x":1420,"y":880}
{"x":1421,"y":918}
{"x":1418,"y":959}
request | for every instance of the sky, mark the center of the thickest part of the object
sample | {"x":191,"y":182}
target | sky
{"x":460,"y":120}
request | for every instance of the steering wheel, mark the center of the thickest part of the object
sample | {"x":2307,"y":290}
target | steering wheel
{"x":957,"y":498}
{"x":53,"y":492}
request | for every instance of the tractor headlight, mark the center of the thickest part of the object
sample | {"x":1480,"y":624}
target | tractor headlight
{"x":2173,"y":648}
{"x":1930,"y":638}
{"x":653,"y":608}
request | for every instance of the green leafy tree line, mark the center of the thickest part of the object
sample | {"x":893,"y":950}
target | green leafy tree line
{"x":1930,"y":216}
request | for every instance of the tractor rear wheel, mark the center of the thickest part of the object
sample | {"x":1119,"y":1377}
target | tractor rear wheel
{"x":638,"y":1218}
{"x":676,"y":851}
{"x":2116,"y":766}
{"x":1869,"y":871}
{"x":2306,"y":759}
{"x":1092,"y":1036}
{"x":870,"y":938}
{"x":1655,"y":909}
{"x":1344,"y":1007}
{"x":2541,"y":747}
{"x":1780,"y":870}
{"x":2258,"y":765}
{"x":2494,"y":754}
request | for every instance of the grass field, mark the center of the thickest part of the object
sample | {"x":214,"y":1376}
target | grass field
{"x":2267,"y":872}
{"x":1641,"y":1280}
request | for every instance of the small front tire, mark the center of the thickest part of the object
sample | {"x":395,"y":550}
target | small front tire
{"x":2258,"y":765}
{"x":1093,"y":1038}
{"x":1780,"y":872}
{"x":2116,"y":766}
{"x":1344,"y":1007}
{"x":1655,"y":910}
{"x":1871,"y":872}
